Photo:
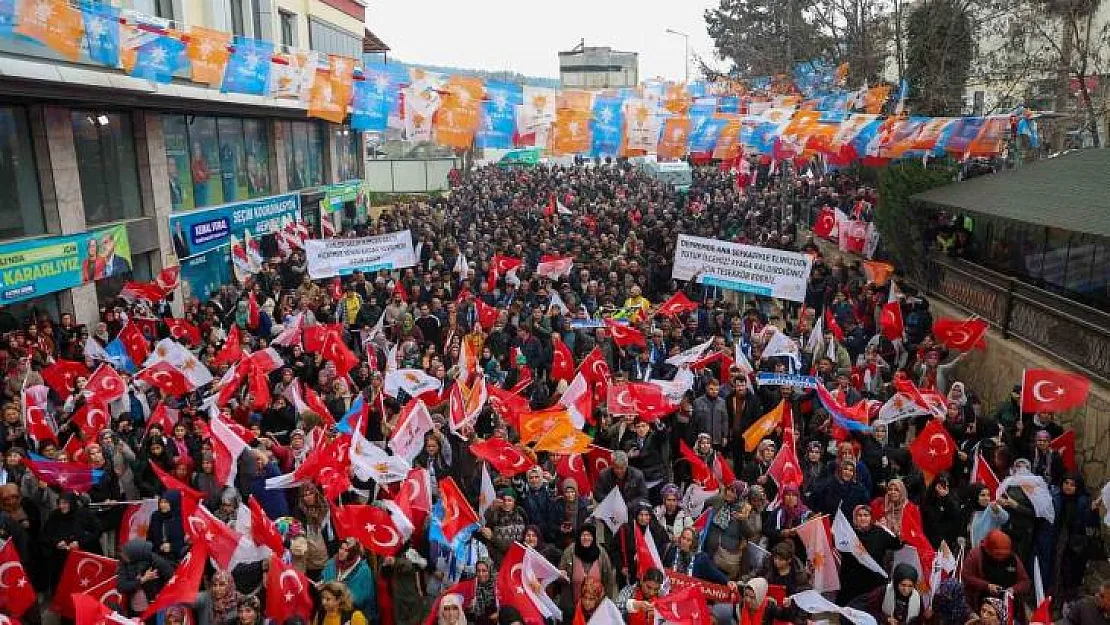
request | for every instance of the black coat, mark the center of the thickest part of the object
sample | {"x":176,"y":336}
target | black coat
{"x":78,"y":525}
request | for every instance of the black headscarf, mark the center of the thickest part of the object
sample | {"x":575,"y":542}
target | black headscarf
{"x":588,"y":555}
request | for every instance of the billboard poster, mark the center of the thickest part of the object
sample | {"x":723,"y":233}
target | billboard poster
{"x":30,"y":269}
{"x":200,"y":231}
{"x":203,"y":274}
{"x":748,"y":268}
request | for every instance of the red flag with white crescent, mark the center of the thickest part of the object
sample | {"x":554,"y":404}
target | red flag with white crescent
{"x":81,"y":572}
{"x":183,"y":586}
{"x":105,"y":384}
{"x":17,"y":593}
{"x":372,"y":526}
{"x":457,"y":511}
{"x":287,"y":592}
{"x":934,"y":448}
{"x":502,"y":455}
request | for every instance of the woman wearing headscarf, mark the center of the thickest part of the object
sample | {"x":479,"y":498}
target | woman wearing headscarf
{"x":590,"y":599}
{"x":755,"y":607}
{"x":219,"y":605}
{"x":950,"y":605}
{"x":311,"y":509}
{"x":1076,"y":521}
{"x":992,"y":568}
{"x":585,"y":560}
{"x":250,"y":612}
{"x":812,"y":465}
{"x":153,"y":452}
{"x":670,"y":514}
{"x":900,"y":466}
{"x":505,"y":523}
{"x":685,"y":557}
{"x":141,"y":574}
{"x":840,"y":491}
{"x":641,"y":519}
{"x":893,"y":507}
{"x":68,"y":527}
{"x":205,"y":481}
{"x":941,"y":513}
{"x":166,"y":531}
{"x":404,"y":574}
{"x":729,"y":532}
{"x":897,"y":602}
{"x":483,"y":608}
{"x":451,"y":610}
{"x":781,"y":524}
{"x":992,"y":612}
{"x":855,"y":578}
{"x":983,"y":513}
{"x":349,"y":567}
{"x":574,"y":509}
{"x":1023,"y":522}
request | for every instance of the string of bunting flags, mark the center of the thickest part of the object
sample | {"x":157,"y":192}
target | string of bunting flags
{"x":811,"y":115}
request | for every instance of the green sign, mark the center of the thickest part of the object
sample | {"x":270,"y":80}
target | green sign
{"x":37,"y":267}
{"x":336,"y":195}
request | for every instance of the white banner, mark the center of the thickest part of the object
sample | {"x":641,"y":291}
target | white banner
{"x":340,"y":257}
{"x":759,"y":270}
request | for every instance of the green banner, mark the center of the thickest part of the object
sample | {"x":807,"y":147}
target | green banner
{"x":37,"y":267}
{"x":336,"y":195}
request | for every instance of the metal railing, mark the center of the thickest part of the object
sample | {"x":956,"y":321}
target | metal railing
{"x":1074,"y":333}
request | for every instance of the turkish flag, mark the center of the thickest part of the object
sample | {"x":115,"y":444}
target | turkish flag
{"x":511,"y":586}
{"x":933,"y":449}
{"x":182,"y":330}
{"x":501,"y":455}
{"x":166,"y":378}
{"x":913,"y":534}
{"x":1047,"y":390}
{"x":832,"y":326}
{"x":148,"y":291}
{"x":620,"y":401}
{"x":92,"y":417}
{"x":457,"y":511}
{"x":597,"y":460}
{"x":217,"y":536}
{"x":554,"y":267}
{"x":254,"y":313}
{"x":259,"y":386}
{"x":314,"y":336}
{"x":676,"y":305}
{"x":982,"y":473}
{"x":91,"y":610}
{"x":185,"y":583}
{"x":371,"y":525}
{"x":574,"y":467}
{"x":232,"y":350}
{"x":1043,"y":614}
{"x":562,"y":363}
{"x":595,"y":369}
{"x":287,"y":592}
{"x":168,"y":278}
{"x":893,"y":327}
{"x":625,"y":335}
{"x":504,"y":264}
{"x":105,"y":385}
{"x":17,"y":595}
{"x":337,"y":352}
{"x":487,"y":315}
{"x":648,"y":401}
{"x":647,"y":555}
{"x":134,"y":342}
{"x":1065,"y":444}
{"x":962,"y":335}
{"x":190,"y":497}
{"x":684,"y":607}
{"x":39,"y":427}
{"x":263,"y":531}
{"x":825,"y":223}
{"x":784,"y":468}
{"x":699,"y":470}
{"x":62,"y":376}
{"x":508,"y":405}
{"x":82,"y":572}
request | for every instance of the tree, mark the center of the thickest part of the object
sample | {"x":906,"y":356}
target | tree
{"x":901,"y":227}
{"x":861,"y":30}
{"x":938,"y":60}
{"x":765,"y":37}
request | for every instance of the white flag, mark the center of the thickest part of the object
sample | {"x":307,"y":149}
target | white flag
{"x":291,"y":334}
{"x":562,"y":210}
{"x":812,"y":602}
{"x":821,"y":555}
{"x":1105,"y":496}
{"x":572,"y":397}
{"x":899,"y":407}
{"x":675,"y":389}
{"x":689,"y":356}
{"x":487,"y":494}
{"x":944,"y":565}
{"x":557,"y":302}
{"x":411,"y":381}
{"x":740,"y":361}
{"x":414,"y":423}
{"x":781,"y":345}
{"x":1036,"y":490}
{"x":461,"y":266}
{"x":607,"y":613}
{"x":176,"y":354}
{"x":816,"y":335}
{"x":612,"y":510}
{"x":695,"y":498}
{"x":371,"y":462}
{"x":537,"y":573}
{"x":1038,"y":583}
{"x":847,"y":541}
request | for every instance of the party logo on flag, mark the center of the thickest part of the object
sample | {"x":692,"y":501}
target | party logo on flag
{"x":499,"y":115}
{"x":101,"y":33}
{"x":53,"y":23}
{"x":159,"y":59}
{"x":208,"y":54}
{"x":248,"y":68}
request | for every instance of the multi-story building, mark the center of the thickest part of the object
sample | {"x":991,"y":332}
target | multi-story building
{"x":166,"y":169}
{"x":598,"y":67}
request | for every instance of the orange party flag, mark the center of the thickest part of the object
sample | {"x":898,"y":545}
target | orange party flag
{"x":460,"y":112}
{"x":564,"y":439}
{"x":331,"y":90}
{"x":208,"y":54}
{"x":53,"y":23}
{"x":728,"y":143}
{"x":571,"y":132}
{"x":534,"y":424}
{"x":672,"y":143}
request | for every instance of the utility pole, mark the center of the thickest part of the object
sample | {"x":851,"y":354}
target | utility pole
{"x":685,"y":50}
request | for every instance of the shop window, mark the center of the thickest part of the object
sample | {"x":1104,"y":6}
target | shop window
{"x":256,"y":140}
{"x":176,"y":135}
{"x":20,"y":202}
{"x":216,"y":160}
{"x":233,"y":159}
{"x":304,"y":155}
{"x":348,"y":152}
{"x":105,"y":147}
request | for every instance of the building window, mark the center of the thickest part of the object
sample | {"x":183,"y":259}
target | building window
{"x":238,"y":26}
{"x":348,"y":152}
{"x":330,"y":39}
{"x":105,"y":147}
{"x":164,"y":9}
{"x":215,"y":160}
{"x":20,"y":203}
{"x":304,"y":154}
{"x":288,"y":28}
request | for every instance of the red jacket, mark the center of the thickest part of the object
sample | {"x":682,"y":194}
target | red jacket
{"x":980,"y":571}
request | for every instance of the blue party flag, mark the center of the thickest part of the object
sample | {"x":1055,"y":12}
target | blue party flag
{"x":7,"y":17}
{"x":101,"y":32}
{"x":499,"y":115}
{"x":607,"y":126}
{"x":159,"y":58}
{"x":248,"y":68}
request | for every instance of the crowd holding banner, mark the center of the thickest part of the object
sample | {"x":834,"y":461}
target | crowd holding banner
{"x":538,"y":420}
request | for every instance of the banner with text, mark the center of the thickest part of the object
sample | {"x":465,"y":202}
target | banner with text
{"x":341,"y":257}
{"x":767,"y":378}
{"x":199,"y":231}
{"x":202,"y":275}
{"x":37,"y":267}
{"x":760,"y":270}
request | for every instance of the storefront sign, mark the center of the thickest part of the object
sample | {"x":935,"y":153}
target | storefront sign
{"x":340,"y":257}
{"x":29,"y":269}
{"x":336,"y":195}
{"x":199,"y":231}
{"x":760,"y":270}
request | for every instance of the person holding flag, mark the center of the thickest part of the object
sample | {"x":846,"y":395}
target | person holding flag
{"x":896,"y":603}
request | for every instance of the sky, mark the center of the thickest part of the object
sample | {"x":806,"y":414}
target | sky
{"x":526,"y":37}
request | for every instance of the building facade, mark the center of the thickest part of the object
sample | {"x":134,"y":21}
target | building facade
{"x":94,"y":158}
{"x":598,"y":67}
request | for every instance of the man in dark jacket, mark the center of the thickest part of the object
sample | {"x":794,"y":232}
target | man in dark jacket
{"x":629,"y":480}
{"x":711,"y":416}
{"x":540,"y":504}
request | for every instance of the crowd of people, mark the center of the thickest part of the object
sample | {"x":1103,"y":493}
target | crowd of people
{"x":712,"y":504}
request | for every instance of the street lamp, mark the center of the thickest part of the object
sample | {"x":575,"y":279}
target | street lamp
{"x":686,"y":50}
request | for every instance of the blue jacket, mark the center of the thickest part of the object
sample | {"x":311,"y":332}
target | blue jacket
{"x":361,"y":584}
{"x":273,"y":502}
